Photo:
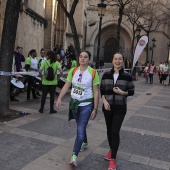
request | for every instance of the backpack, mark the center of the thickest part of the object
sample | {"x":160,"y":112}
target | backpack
{"x":49,"y":73}
{"x":93,"y":72}
{"x":39,"y":63}
{"x":62,"y":53}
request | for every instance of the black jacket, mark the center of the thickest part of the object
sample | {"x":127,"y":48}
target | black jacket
{"x":124,"y":82}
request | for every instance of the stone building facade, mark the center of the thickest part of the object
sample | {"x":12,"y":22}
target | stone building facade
{"x":43,"y":24}
{"x":108,"y":36}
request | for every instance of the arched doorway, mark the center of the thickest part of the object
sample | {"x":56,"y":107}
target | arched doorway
{"x":109,"y":49}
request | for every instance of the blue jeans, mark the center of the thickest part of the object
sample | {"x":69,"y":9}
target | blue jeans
{"x":82,"y":118}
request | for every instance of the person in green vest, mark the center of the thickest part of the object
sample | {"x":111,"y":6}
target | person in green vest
{"x":42,"y":57}
{"x":73,"y":61}
{"x":48,"y":72}
{"x":31,"y":65}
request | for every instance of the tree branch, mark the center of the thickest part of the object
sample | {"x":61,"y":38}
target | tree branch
{"x":63,"y":7}
{"x":73,"y":7}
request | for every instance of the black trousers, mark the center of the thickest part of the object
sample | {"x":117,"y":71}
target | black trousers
{"x":151,"y":77}
{"x":30,"y":87}
{"x":45,"y":89}
{"x":114,"y":119}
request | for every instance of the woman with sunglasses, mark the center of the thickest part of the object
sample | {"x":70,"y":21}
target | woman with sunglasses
{"x":84,"y":100}
{"x":116,"y":85}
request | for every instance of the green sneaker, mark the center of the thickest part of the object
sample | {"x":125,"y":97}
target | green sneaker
{"x":73,"y":161}
{"x":83,"y":146}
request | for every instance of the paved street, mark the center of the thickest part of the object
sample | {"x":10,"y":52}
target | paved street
{"x":45,"y":142}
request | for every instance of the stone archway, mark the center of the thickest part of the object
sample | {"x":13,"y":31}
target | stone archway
{"x":109,"y":30}
{"x":109,"y":49}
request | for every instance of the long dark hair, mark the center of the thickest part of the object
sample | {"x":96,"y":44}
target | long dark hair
{"x":51,"y":56}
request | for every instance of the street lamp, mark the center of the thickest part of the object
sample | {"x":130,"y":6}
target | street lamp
{"x":152,"y":48}
{"x":138,"y":30}
{"x":168,"y":57}
{"x":101,"y":12}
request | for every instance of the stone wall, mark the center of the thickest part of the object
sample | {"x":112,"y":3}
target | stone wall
{"x":30,"y":30}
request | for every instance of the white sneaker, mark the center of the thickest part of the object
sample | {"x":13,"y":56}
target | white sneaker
{"x":83,"y":146}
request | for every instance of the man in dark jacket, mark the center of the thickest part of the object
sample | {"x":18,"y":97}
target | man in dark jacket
{"x":71,"y":48}
{"x":19,"y":58}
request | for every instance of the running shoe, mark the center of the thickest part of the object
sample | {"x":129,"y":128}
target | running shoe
{"x":108,"y":155}
{"x":73,"y":161}
{"x":112,"y":164}
{"x":83,"y":146}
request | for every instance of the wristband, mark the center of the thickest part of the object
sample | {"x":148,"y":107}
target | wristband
{"x":94,"y":110}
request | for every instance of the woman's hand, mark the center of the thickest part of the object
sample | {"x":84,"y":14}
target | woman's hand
{"x":93,"y":114}
{"x":106,"y":105}
{"x":62,"y":93}
{"x":117,"y":90}
{"x":58,"y":103}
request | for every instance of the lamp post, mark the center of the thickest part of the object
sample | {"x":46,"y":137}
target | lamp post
{"x":101,"y":12}
{"x":138,"y":30}
{"x":152,"y":48}
{"x":168,"y":57}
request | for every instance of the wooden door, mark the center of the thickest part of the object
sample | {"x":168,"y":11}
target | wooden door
{"x":109,"y":49}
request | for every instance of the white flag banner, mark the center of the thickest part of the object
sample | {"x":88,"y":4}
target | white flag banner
{"x":139,"y":48}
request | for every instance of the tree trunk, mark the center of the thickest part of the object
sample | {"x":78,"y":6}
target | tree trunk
{"x":72,"y":24}
{"x":75,"y":35}
{"x":7,"y":48}
{"x":121,"y":8}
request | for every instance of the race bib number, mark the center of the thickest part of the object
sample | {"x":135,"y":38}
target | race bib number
{"x":77,"y":92}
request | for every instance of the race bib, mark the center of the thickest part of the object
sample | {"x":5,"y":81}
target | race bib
{"x":77,"y":92}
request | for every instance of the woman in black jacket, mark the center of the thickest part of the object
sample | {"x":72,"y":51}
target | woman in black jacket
{"x":116,"y":85}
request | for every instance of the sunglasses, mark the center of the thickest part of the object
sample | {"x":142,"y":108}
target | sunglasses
{"x":80,"y":77}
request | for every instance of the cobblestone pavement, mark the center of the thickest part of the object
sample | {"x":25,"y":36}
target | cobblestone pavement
{"x":45,"y":142}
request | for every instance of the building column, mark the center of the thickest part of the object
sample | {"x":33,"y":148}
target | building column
{"x":48,"y":36}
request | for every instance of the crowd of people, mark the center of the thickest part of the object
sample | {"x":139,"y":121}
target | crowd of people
{"x":65,"y":60}
{"x":115,"y":86}
{"x":162,"y":70}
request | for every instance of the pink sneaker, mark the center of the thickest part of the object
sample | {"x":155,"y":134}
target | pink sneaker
{"x":108,"y":155}
{"x":112,"y":164}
